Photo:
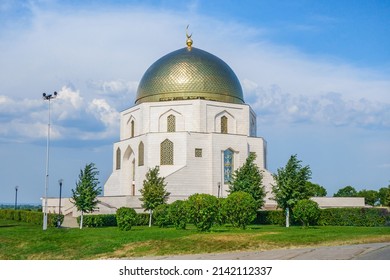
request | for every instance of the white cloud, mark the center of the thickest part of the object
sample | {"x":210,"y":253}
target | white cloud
{"x":100,"y":55}
{"x":104,"y":112}
{"x":274,"y":106}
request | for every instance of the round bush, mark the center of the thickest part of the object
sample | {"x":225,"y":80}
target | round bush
{"x":307,"y":211}
{"x":202,"y":210}
{"x":240,"y":209}
{"x":126,"y":218}
{"x":178,"y":214}
{"x":161,"y":215}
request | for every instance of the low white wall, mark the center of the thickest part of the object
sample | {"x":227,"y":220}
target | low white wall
{"x":339,"y":202}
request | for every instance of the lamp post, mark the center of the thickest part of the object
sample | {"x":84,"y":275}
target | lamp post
{"x":47,"y":97}
{"x":16,"y":197}
{"x":60,"y":181}
{"x":219,"y":189}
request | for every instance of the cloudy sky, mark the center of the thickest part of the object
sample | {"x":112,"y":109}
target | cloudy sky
{"x":317,"y":73}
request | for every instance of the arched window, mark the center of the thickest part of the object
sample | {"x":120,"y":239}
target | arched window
{"x":141,"y":154}
{"x":171,"y":123}
{"x":166,"y":152}
{"x":118,"y":158}
{"x":132,"y":129}
{"x":228,"y":165}
{"x":224,"y":124}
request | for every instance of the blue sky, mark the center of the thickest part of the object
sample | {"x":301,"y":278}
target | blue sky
{"x":317,"y":73}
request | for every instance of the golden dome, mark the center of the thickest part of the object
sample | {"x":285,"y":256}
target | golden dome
{"x":189,"y":73}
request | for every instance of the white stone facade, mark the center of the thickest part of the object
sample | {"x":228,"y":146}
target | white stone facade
{"x":200,"y":131}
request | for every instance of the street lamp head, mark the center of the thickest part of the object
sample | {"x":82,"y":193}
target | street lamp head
{"x":49,"y":96}
{"x":60,"y":181}
{"x":16,"y":188}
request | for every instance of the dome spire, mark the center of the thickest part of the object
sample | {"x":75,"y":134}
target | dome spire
{"x":189,"y":40}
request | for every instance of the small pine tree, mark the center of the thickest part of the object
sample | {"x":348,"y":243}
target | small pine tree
{"x":248,"y":178}
{"x":84,"y":197}
{"x":153,"y":192}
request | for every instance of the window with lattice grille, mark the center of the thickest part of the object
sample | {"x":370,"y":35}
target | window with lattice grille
{"x":224,"y":125}
{"x":171,"y":123}
{"x":118,"y":158}
{"x":166,"y":152}
{"x":141,"y":154}
{"x":198,"y":152}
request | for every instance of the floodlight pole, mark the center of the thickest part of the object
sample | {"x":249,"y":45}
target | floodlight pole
{"x":47,"y":97}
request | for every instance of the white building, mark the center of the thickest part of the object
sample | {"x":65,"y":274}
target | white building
{"x":191,"y":120}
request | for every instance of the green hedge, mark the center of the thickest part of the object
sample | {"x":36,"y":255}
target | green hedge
{"x":109,"y":220}
{"x":367,"y":217}
{"x":100,"y":220}
{"x":31,"y":217}
{"x":142,"y":219}
{"x":270,"y":217}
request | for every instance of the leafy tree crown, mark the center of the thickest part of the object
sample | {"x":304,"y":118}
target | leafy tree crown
{"x":84,"y":196}
{"x":290,"y":184}
{"x":153,"y":191}
{"x":248,"y":178}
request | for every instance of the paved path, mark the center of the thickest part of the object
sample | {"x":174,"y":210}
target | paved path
{"x":372,"y":251}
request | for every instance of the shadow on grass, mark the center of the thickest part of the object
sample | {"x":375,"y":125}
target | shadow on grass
{"x":5,"y":226}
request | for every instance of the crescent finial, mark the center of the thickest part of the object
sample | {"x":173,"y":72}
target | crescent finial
{"x":189,"y":40}
{"x":188,"y":36}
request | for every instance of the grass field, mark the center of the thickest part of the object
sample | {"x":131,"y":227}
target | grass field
{"x":23,"y":241}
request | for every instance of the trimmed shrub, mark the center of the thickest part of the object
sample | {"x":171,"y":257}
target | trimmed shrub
{"x":126,"y":218}
{"x":221,"y":216}
{"x":100,"y":220}
{"x":161,"y":215}
{"x":240,"y":208}
{"x":307,"y":211}
{"x":270,"y":217}
{"x":367,"y":217}
{"x":31,"y":217}
{"x":142,"y":219}
{"x":202,"y":210}
{"x":178,"y":214}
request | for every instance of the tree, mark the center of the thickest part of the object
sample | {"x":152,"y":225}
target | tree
{"x":371,"y":197}
{"x":291,"y":185}
{"x":388,"y":197}
{"x":153,"y":192}
{"x":307,"y":211}
{"x":248,"y":178}
{"x":84,"y":197}
{"x":347,"y":191}
{"x":384,"y":196}
{"x":315,"y":189}
{"x":240,"y":208}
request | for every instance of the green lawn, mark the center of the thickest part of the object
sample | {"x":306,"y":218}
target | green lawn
{"x":24,"y":241}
